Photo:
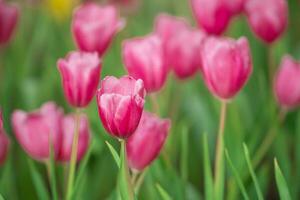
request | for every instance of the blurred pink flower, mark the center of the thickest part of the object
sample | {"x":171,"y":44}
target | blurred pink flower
{"x":147,"y":141}
{"x":144,"y":59}
{"x":287,"y":83}
{"x":94,"y":27}
{"x":68,"y":130}
{"x":268,"y":18}
{"x":35,"y":130}
{"x":4,"y":142}
{"x":120,"y":105}
{"x":80,"y":73}
{"x":227,"y":65}
{"x":9,"y":14}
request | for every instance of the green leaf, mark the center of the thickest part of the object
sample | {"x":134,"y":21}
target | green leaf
{"x":236,"y":176}
{"x":254,"y":178}
{"x":281,"y":183}
{"x":209,"y":189}
{"x":51,"y":172}
{"x":184,"y":154}
{"x":164,"y":195}
{"x":124,"y":182}
{"x":1,"y":197}
{"x":40,"y":187}
{"x":113,"y":153}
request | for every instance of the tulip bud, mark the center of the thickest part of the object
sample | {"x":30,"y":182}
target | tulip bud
{"x":80,"y":74}
{"x":226,"y":64}
{"x":147,"y":141}
{"x":212,"y":15}
{"x":144,"y":59}
{"x":4,"y":142}
{"x":267,"y":18}
{"x":9,"y":15}
{"x":94,"y":27}
{"x":120,"y":105}
{"x":287,"y":83}
{"x":68,"y":130}
{"x":35,"y":130}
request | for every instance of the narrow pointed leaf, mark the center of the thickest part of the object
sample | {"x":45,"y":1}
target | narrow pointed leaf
{"x":208,"y":179}
{"x":113,"y":153}
{"x":164,"y":195}
{"x":281,"y":183}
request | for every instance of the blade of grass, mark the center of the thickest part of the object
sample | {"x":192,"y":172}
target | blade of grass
{"x":254,"y":178}
{"x":113,"y":153}
{"x":164,"y":195}
{"x":208,"y":179}
{"x":237,"y":176}
{"x":40,"y":187}
{"x":281,"y":183}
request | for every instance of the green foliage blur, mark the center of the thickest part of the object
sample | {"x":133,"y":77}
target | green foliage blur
{"x":29,"y":77}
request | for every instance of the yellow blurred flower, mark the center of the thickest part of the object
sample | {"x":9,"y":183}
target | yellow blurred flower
{"x":61,"y":9}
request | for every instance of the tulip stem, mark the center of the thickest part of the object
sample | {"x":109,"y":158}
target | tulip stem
{"x":219,"y":158}
{"x":73,"y":155}
{"x":139,"y":181}
{"x":51,"y":170}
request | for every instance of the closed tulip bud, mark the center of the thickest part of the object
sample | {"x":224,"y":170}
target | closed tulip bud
{"x":147,"y":141}
{"x":144,"y":59}
{"x":236,"y":6}
{"x":267,"y":18}
{"x":68,"y":130}
{"x":287,"y":83}
{"x":212,"y":15}
{"x":94,"y":27}
{"x":120,"y":105}
{"x":38,"y":131}
{"x":9,"y":15}
{"x":4,"y":142}
{"x":80,"y":74}
{"x":227,"y":65}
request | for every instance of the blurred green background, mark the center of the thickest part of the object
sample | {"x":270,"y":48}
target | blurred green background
{"x":29,"y":77}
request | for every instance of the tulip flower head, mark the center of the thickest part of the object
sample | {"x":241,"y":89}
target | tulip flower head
{"x":147,"y":141}
{"x":267,"y":18}
{"x":287,"y":83}
{"x":36,"y":131}
{"x":80,"y":74}
{"x":68,"y":130}
{"x":4,"y":142}
{"x":227,"y":65}
{"x":144,"y":59}
{"x":94,"y":27}
{"x":9,"y":14}
{"x":120,"y":105}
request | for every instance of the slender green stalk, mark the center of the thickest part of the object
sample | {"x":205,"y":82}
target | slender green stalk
{"x":219,"y":158}
{"x":73,"y":155}
{"x":140,"y":181}
{"x":52,"y":179}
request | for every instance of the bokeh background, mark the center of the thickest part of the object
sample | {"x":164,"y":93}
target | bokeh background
{"x":29,"y":77}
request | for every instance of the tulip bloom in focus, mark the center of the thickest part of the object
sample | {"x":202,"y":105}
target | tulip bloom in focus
{"x":144,"y":59}
{"x":4,"y":142}
{"x":35,"y":130}
{"x":120,"y":105}
{"x":68,"y":129}
{"x":80,"y":74}
{"x":182,"y":44}
{"x":227,"y":65}
{"x":268,"y":18}
{"x":94,"y":27}
{"x":9,"y":15}
{"x":287,"y":83}
{"x":147,"y":141}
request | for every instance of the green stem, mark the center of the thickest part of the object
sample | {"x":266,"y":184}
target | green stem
{"x":52,"y":179}
{"x":73,"y":155}
{"x":139,"y":181}
{"x":219,"y":158}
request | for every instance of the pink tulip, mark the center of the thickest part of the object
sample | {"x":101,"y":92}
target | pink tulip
{"x":4,"y":142}
{"x":144,"y":59}
{"x":268,"y":18}
{"x":236,"y":6}
{"x":35,"y":130}
{"x":80,"y":74}
{"x":120,"y":105}
{"x":213,"y":15}
{"x":147,"y":141}
{"x":68,"y":130}
{"x":9,"y":15}
{"x":287,"y":83}
{"x":94,"y":27}
{"x":227,"y":65}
